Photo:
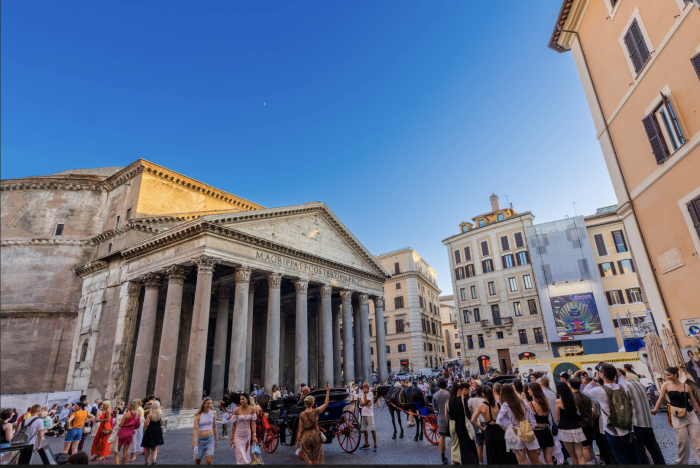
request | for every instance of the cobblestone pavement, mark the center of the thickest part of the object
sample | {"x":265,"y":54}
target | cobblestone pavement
{"x":177,"y":448}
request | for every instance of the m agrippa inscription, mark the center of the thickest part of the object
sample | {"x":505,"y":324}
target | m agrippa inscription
{"x":311,"y":269}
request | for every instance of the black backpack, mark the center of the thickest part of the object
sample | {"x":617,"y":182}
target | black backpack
{"x":22,"y":437}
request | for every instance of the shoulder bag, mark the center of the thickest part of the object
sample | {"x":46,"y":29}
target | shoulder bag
{"x":680,"y":412}
{"x":467,"y":422}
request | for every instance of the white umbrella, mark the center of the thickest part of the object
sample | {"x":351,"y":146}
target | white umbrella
{"x":675,"y":358}
{"x":657,"y":358}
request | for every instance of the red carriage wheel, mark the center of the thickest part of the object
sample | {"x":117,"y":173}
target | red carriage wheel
{"x":348,"y":432}
{"x":430,"y":429}
{"x":271,"y":440}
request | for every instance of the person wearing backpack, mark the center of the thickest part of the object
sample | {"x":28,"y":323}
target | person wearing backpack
{"x":515,"y":412}
{"x":684,"y":419}
{"x":616,"y":414}
{"x":30,"y":430}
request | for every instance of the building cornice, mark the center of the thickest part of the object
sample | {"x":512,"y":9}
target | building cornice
{"x":44,"y":241}
{"x":570,"y":18}
{"x":89,"y":268}
{"x":483,"y":229}
{"x":418,"y":275}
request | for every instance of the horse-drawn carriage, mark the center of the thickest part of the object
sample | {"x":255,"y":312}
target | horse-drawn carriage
{"x":281,"y":419}
{"x":410,"y":400}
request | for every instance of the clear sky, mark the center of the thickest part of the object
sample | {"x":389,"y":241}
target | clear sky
{"x":402,"y":116}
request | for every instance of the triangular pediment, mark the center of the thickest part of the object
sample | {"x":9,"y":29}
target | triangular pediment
{"x":310,"y":228}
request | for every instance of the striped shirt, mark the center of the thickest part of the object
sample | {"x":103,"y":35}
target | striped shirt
{"x":641,"y":413}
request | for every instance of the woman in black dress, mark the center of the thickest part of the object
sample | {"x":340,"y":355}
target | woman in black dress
{"x":494,"y":435}
{"x":459,"y":413}
{"x":153,"y":434}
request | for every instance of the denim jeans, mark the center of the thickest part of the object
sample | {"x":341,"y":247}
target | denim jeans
{"x":624,"y":448}
{"x":647,"y":439}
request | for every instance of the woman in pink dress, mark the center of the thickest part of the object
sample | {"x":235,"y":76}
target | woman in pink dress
{"x":243,"y":421}
{"x":125,"y":437}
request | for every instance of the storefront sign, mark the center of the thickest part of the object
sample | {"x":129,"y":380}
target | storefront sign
{"x":527,"y":356}
{"x":691,"y":327}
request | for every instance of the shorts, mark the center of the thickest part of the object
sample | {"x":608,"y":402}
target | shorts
{"x":571,"y":435}
{"x":74,"y":435}
{"x":479,"y":438}
{"x":589,"y":432}
{"x":367,"y":423}
{"x":205,"y":447}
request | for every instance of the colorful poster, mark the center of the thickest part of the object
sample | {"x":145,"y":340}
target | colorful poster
{"x":576,"y":314}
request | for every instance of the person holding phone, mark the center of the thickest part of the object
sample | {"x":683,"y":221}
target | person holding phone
{"x":367,"y":405}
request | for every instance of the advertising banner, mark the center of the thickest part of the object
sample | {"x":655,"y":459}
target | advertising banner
{"x":576,"y":315}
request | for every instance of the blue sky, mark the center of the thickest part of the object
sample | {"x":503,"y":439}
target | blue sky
{"x":401,"y":116}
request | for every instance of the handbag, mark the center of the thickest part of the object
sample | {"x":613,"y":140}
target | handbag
{"x":87,"y":430}
{"x":467,"y":422}
{"x":323,"y":436}
{"x":555,"y":428}
{"x":680,"y":412}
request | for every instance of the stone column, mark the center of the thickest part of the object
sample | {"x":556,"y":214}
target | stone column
{"x":337,"y":371}
{"x":167,"y":356}
{"x":239,"y":331}
{"x":348,"y":348}
{"x":218,"y":364}
{"x":197,"y":352}
{"x":147,"y":332}
{"x":356,"y":325}
{"x":364,"y":326}
{"x":382,"y":373}
{"x":120,"y":367}
{"x":272,"y":344}
{"x":326,"y":337}
{"x":301,"y":331}
{"x":249,"y":340}
{"x":283,"y":331}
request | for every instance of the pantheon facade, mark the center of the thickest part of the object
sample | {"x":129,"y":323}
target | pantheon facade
{"x":121,"y":282}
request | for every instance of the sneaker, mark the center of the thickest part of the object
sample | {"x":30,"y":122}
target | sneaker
{"x":364,"y":447}
{"x":375,"y":448}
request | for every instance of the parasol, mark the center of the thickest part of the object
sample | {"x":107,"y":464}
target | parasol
{"x":657,"y":358}
{"x":675,"y":358}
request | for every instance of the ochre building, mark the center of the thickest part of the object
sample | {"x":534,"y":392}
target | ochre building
{"x":125,"y":281}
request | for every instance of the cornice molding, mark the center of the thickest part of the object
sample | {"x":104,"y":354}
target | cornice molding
{"x":40,"y":241}
{"x":131,"y":225}
{"x":89,"y":268}
{"x":415,"y":274}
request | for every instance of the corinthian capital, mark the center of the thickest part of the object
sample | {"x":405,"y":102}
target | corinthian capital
{"x":243,"y":274}
{"x":152,"y":280}
{"x":302,"y":286}
{"x":176,"y":274}
{"x":274,"y":280}
{"x":205,"y":264}
{"x":379,"y":301}
{"x":364,"y":299}
{"x":326,"y":290}
{"x":346,"y":294}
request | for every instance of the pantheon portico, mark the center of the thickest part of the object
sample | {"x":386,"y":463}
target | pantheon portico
{"x":224,"y":301}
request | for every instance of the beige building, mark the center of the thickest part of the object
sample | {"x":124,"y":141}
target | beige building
{"x":616,"y":267}
{"x":412,"y":322}
{"x":639,"y":65}
{"x":450,"y":329}
{"x":495,"y":291}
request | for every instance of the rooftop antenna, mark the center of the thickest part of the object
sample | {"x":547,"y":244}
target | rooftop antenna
{"x":508,"y":202}
{"x":575,"y":213}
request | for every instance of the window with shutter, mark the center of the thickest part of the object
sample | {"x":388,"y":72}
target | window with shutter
{"x":636,"y":46}
{"x":532,"y":305}
{"x":600,"y":245}
{"x":470,"y":270}
{"x":695,"y":61}
{"x":458,"y":257}
{"x":397,"y":268}
{"x":607,"y":296}
{"x":657,"y":142}
{"x":519,"y":240}
{"x":694,"y":210}
{"x":620,"y":243}
{"x":505,"y":245}
{"x":467,"y":254}
{"x":484,"y":248}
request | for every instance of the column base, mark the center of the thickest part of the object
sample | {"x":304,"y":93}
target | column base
{"x":181,"y":419}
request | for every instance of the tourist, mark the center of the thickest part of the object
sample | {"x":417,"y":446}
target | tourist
{"x":367,"y":411}
{"x":14,"y":417}
{"x":6,"y":433}
{"x":585,"y":409}
{"x":147,"y":404}
{"x":204,"y":435}
{"x":513,"y":411}
{"x":276,"y":395}
{"x":620,"y":439}
{"x":153,"y":433}
{"x":631,"y":375}
{"x":570,"y":433}
{"x":135,"y":448}
{"x":35,"y":431}
{"x":519,"y":389}
{"x":474,"y":403}
{"x":455,"y":455}
{"x":683,"y":418}
{"x":76,"y":421}
{"x":551,"y":396}
{"x":540,"y":407}
{"x":100,"y":444}
{"x":457,"y":410}
{"x":225,"y":418}
{"x":125,"y":436}
{"x":641,"y":421}
{"x":304,"y":393}
{"x":439,"y":400}
{"x":497,"y":392}
{"x":308,"y":435}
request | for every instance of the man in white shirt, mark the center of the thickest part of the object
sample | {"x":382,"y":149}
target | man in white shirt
{"x":35,"y":430}
{"x":367,"y":412}
{"x":621,"y":442}
{"x":646,"y":382}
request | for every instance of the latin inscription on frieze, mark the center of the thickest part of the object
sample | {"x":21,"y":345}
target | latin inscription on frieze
{"x":312,"y":269}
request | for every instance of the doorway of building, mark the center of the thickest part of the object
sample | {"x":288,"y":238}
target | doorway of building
{"x":504,"y":361}
{"x":403,"y":365}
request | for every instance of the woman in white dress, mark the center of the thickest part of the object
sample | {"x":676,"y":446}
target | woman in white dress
{"x":513,"y":410}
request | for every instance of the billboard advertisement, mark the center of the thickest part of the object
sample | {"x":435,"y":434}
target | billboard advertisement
{"x":576,"y":315}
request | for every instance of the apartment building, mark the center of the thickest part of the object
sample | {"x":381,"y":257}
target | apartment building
{"x":616,"y":267}
{"x":495,"y":294}
{"x":639,"y":65}
{"x":450,"y":332}
{"x":412,"y":324}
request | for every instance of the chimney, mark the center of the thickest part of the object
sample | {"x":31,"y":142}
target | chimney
{"x":494,"y":202}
